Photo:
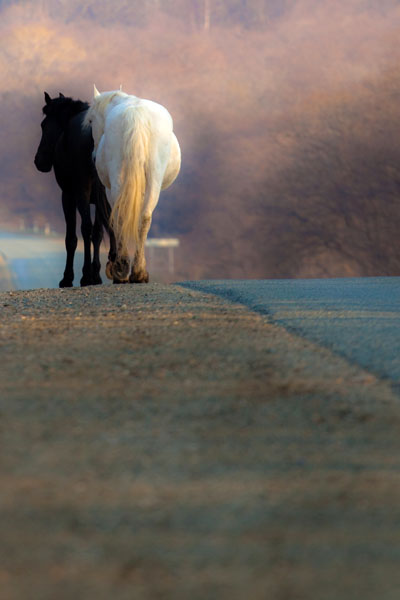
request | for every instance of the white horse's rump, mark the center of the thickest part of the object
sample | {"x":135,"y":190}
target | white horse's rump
{"x":137,"y":156}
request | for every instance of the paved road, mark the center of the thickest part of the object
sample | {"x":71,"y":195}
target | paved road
{"x":158,"y":442}
{"x":358,"y":319}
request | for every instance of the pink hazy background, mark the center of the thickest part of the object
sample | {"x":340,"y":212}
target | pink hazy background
{"x":288,"y":115}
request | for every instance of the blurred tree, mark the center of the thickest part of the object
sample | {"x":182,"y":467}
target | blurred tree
{"x":339,"y":194}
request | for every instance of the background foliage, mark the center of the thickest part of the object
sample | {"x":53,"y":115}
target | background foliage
{"x":288,"y":114}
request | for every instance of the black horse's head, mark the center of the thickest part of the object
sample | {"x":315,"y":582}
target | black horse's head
{"x":51,"y":131}
{"x":57,"y":112}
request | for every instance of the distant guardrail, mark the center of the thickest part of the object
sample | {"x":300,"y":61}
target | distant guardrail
{"x":32,"y":260}
{"x":162,"y":242}
{"x":169,"y":243}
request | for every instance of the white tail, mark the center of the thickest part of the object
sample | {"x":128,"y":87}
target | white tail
{"x":125,"y":215}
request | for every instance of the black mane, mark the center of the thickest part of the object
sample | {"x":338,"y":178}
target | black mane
{"x":66,"y":106}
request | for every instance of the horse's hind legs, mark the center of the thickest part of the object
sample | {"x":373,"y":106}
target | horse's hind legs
{"x":112,"y":255}
{"x":97,"y":238}
{"x":71,"y":241}
{"x":119,"y":268}
{"x":109,"y":266}
{"x":86,"y":229}
{"x":139,"y":274}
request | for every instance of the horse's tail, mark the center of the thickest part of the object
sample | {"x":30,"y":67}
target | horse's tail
{"x":125,"y":215}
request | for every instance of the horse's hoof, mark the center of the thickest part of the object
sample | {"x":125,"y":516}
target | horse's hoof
{"x":86,"y":281}
{"x":97,"y":280}
{"x":120,"y":271}
{"x":65,"y":283}
{"x":109,"y":267}
{"x":141,"y":277}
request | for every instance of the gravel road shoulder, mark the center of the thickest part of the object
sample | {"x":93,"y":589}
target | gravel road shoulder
{"x":158,"y":442}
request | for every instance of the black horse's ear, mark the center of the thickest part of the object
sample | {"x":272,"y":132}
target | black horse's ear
{"x":47,"y":98}
{"x":61,"y":95}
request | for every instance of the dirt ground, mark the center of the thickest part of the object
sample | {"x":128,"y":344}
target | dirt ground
{"x":161,"y":443}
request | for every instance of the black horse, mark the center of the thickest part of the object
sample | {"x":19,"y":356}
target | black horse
{"x":67,"y":147}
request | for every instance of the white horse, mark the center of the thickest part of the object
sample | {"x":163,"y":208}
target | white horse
{"x":137,"y":155}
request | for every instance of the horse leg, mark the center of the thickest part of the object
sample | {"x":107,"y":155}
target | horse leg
{"x":69,"y":208}
{"x":97,"y":238}
{"x":139,"y":273}
{"x":117,"y":267}
{"x":120,"y":267}
{"x":86,"y":230}
{"x":112,"y":255}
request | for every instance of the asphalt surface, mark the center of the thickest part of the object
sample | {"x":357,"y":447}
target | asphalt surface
{"x":160,"y":442}
{"x":359,"y":319}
